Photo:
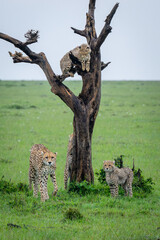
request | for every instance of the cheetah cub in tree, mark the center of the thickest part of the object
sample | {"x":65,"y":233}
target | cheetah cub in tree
{"x":82,"y":53}
{"x":118,"y":176}
{"x":42,"y":164}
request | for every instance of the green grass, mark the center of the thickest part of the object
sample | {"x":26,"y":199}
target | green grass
{"x":128,"y":123}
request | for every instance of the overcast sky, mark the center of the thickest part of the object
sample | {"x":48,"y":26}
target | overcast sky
{"x":133,"y":47}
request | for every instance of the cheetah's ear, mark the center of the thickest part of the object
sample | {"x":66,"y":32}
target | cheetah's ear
{"x":56,"y":153}
{"x":113,"y":162}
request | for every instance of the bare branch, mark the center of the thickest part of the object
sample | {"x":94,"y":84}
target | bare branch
{"x":80,"y":32}
{"x":32,"y":36}
{"x":92,"y":4}
{"x":110,"y":16}
{"x":104,"y":65}
{"x":18,"y":57}
{"x":106,"y":29}
{"x":103,"y":35}
{"x":67,"y":97}
{"x":22,"y":46}
{"x":90,"y":28}
{"x":90,"y":22}
{"x":89,"y":32}
{"x":9,"y":39}
{"x":62,"y":77}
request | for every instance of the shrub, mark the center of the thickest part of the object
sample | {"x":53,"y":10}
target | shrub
{"x":119,"y":161}
{"x":142,"y":187}
{"x":101,"y":176}
{"x":84,"y":188}
{"x":10,"y":187}
{"x":73,"y":214}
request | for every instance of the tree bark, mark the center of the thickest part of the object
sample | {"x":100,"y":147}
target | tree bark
{"x":84,"y":107}
{"x":90,"y":97}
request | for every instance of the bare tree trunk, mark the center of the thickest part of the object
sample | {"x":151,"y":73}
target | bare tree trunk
{"x":84,"y":123}
{"x":84,"y":107}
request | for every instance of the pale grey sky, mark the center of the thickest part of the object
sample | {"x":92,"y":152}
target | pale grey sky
{"x":133,"y":47}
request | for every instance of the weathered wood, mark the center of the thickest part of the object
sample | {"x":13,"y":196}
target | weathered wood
{"x":104,"y":65}
{"x":32,"y":37}
{"x":80,"y":32}
{"x":106,"y":29}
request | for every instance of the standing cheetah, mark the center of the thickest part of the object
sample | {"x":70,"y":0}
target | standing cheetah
{"x":42,"y":164}
{"x":118,"y":176}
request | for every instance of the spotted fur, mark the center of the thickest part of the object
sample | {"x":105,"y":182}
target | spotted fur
{"x":82,"y":53}
{"x":118,"y":176}
{"x":67,"y":171}
{"x":42,"y":164}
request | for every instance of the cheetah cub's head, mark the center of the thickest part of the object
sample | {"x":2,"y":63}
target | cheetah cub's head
{"x":49,"y":158}
{"x":108,"y":166}
{"x":84,"y":49}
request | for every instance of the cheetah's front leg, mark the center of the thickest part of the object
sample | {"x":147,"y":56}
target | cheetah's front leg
{"x":83,"y":66}
{"x":88,"y":65}
{"x":53,"y":178}
{"x":42,"y":188}
{"x":35,"y":187}
{"x":114,"y":190}
{"x":45,"y":188}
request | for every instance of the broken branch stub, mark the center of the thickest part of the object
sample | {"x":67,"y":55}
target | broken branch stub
{"x":31,"y":36}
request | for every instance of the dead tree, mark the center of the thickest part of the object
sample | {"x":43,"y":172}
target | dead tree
{"x":85,"y":106}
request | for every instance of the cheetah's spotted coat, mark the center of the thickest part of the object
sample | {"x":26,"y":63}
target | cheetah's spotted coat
{"x":118,"y":176}
{"x":42,"y":164}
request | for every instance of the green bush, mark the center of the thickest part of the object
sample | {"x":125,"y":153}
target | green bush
{"x":142,"y":187}
{"x":10,"y":187}
{"x":101,"y":176}
{"x":73,"y":214}
{"x":84,"y":188}
{"x":119,"y":161}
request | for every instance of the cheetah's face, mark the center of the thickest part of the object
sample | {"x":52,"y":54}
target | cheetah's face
{"x":49,"y":159}
{"x":84,"y":49}
{"x":108,"y":166}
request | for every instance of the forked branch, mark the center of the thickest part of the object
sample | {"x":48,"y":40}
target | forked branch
{"x":18,"y":57}
{"x":22,"y":46}
{"x":89,"y":32}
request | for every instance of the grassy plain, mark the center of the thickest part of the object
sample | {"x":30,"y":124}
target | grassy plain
{"x":128,"y":123}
